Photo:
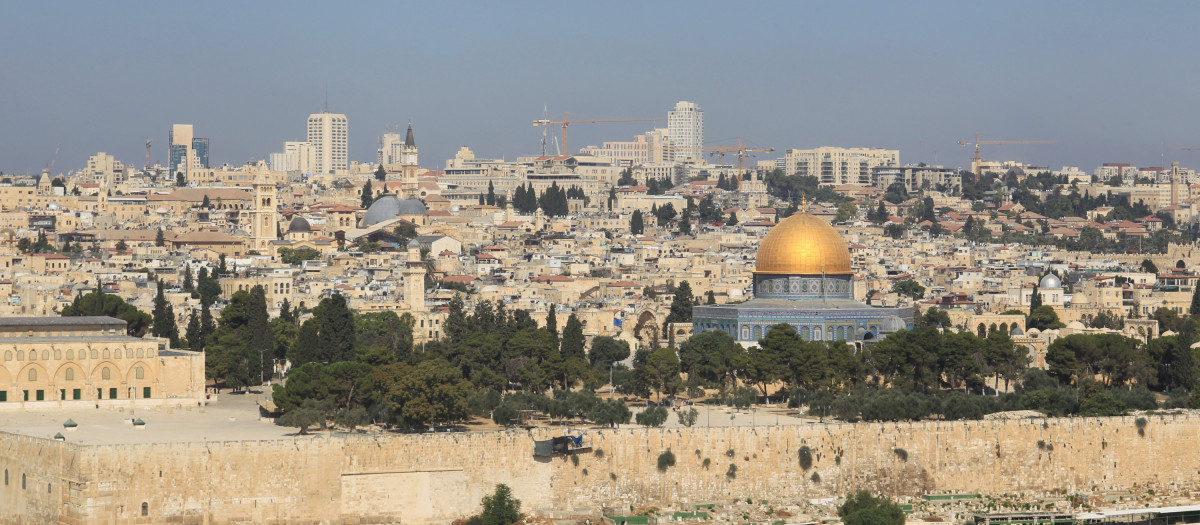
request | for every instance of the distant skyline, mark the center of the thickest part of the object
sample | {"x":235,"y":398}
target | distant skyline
{"x":1110,"y":81}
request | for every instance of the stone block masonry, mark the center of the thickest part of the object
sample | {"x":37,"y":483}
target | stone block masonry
{"x":435,"y":478}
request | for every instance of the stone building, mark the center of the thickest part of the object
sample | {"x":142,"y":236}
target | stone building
{"x":90,"y":361}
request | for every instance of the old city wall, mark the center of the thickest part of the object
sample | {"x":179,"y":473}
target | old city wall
{"x":436,"y":478}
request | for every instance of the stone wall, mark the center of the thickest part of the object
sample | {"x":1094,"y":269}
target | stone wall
{"x":436,"y":478}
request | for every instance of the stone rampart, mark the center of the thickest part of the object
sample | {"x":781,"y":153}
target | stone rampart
{"x":434,"y":478}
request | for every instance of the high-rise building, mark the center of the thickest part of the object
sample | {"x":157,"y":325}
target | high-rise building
{"x":392,"y":150}
{"x":296,"y":156}
{"x":685,"y":127}
{"x":839,"y":166}
{"x":187,"y":152}
{"x":328,"y":133}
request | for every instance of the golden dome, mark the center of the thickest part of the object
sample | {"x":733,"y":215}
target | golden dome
{"x":803,"y":244}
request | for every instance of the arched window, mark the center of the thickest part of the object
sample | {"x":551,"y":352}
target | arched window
{"x":71,"y":354}
{"x":107,"y":354}
{"x":129,"y":353}
{"x":33,"y":355}
{"x":8,"y":355}
{"x":94,"y":354}
{"x":145,"y":508}
{"x":105,"y":374}
{"x":57,"y":354}
{"x":33,"y":374}
{"x":22,"y":481}
{"x":70,"y":374}
{"x":992,"y":329}
{"x":982,"y":330}
{"x":139,"y":373}
{"x":141,"y":353}
{"x":45,"y":355}
{"x":1004,"y":327}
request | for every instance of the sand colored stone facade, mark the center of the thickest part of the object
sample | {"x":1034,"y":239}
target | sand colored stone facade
{"x":437,"y":478}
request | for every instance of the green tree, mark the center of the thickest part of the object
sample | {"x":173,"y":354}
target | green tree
{"x":572,"y":339}
{"x":1149,"y":267}
{"x":637,"y":224}
{"x":862,"y":508}
{"x":846,"y":211}
{"x":189,"y":285}
{"x":164,"y":318}
{"x":380,"y":173}
{"x":121,"y":246}
{"x":1043,"y":317}
{"x":432,"y":392}
{"x":653,"y":416}
{"x":368,"y":196}
{"x":1194,"y":309}
{"x":733,"y":219}
{"x":767,"y":363}
{"x":681,"y":305}
{"x":607,"y":350}
{"x":491,"y":194}
{"x":909,"y":288}
{"x":206,"y":204}
{"x":500,"y":508}
{"x":180,"y":180}
{"x":712,"y":359}
{"x":159,"y":240}
{"x":662,"y":371}
{"x":335,"y":329}
{"x":103,"y":304}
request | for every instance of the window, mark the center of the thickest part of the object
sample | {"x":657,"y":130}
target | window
{"x":33,"y":374}
{"x":71,"y":354}
{"x":112,"y":393}
{"x":22,"y":481}
{"x":70,"y":374}
{"x":3,"y":396}
{"x":129,"y":353}
{"x":45,"y":355}
{"x":105,"y":374}
{"x":141,"y":353}
{"x":145,"y":508}
{"x":8,"y":355}
{"x":94,"y":354}
{"x":33,"y":355}
{"x":76,"y":394}
{"x":140,"y":373}
{"x":41,"y":395}
{"x":145,"y":392}
{"x":107,"y":353}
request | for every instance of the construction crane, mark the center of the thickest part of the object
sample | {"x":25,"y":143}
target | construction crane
{"x":741,"y":150}
{"x":975,"y":164}
{"x":544,"y":121}
{"x":50,"y":165}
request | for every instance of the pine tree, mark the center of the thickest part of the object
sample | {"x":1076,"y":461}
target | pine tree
{"x":380,"y":173}
{"x":285,"y":312}
{"x":164,"y":318}
{"x":206,"y":204}
{"x":733,"y":220}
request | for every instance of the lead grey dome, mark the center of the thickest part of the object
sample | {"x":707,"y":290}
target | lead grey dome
{"x":1050,"y":282}
{"x":387,"y":207}
{"x":299,"y":224}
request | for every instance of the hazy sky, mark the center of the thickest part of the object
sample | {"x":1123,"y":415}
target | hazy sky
{"x":1109,"y":81}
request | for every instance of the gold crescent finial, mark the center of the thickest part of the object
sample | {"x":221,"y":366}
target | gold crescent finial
{"x":803,"y":203}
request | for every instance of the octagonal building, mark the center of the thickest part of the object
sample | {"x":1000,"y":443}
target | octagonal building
{"x":803,"y":277}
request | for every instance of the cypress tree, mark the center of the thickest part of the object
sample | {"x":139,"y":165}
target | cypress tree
{"x":552,"y":319}
{"x":1035,"y":300}
{"x":368,"y":195}
{"x":572,"y":338}
{"x":491,"y":194}
{"x":637,"y":224}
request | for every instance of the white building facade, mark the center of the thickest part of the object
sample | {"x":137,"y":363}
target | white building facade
{"x":685,"y":126}
{"x":329,"y":134}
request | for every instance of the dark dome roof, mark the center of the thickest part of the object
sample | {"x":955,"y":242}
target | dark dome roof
{"x":387,"y":207}
{"x":299,"y":224}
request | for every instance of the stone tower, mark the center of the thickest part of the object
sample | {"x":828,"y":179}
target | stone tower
{"x":414,"y":278}
{"x":262,"y":217}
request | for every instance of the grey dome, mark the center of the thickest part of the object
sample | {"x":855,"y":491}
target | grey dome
{"x":894,"y":324}
{"x":387,"y":207}
{"x":299,"y":224}
{"x":1050,"y":281}
{"x":1016,"y":330}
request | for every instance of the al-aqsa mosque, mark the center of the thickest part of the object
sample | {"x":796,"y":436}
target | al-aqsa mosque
{"x":803,"y":278}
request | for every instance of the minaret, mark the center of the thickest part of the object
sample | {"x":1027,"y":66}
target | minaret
{"x":414,"y":278}
{"x":1174,"y":183}
{"x":262,"y":218}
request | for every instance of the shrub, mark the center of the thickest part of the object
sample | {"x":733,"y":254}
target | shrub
{"x":612,"y":476}
{"x":805,"y":457}
{"x":666,"y":460}
{"x":901,"y":453}
{"x":706,"y":463}
{"x":599,"y":452}
{"x":1041,"y":445}
{"x":575,"y":460}
{"x":729,"y":452}
{"x":585,"y":472}
{"x":816,"y":478}
{"x":732,"y":472}
{"x":837,"y":460}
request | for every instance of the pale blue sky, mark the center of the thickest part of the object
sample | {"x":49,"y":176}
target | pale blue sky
{"x":1109,"y":81}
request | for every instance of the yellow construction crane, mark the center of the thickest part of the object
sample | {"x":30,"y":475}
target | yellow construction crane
{"x":544,"y":121}
{"x":741,"y":150}
{"x":976,"y":162}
